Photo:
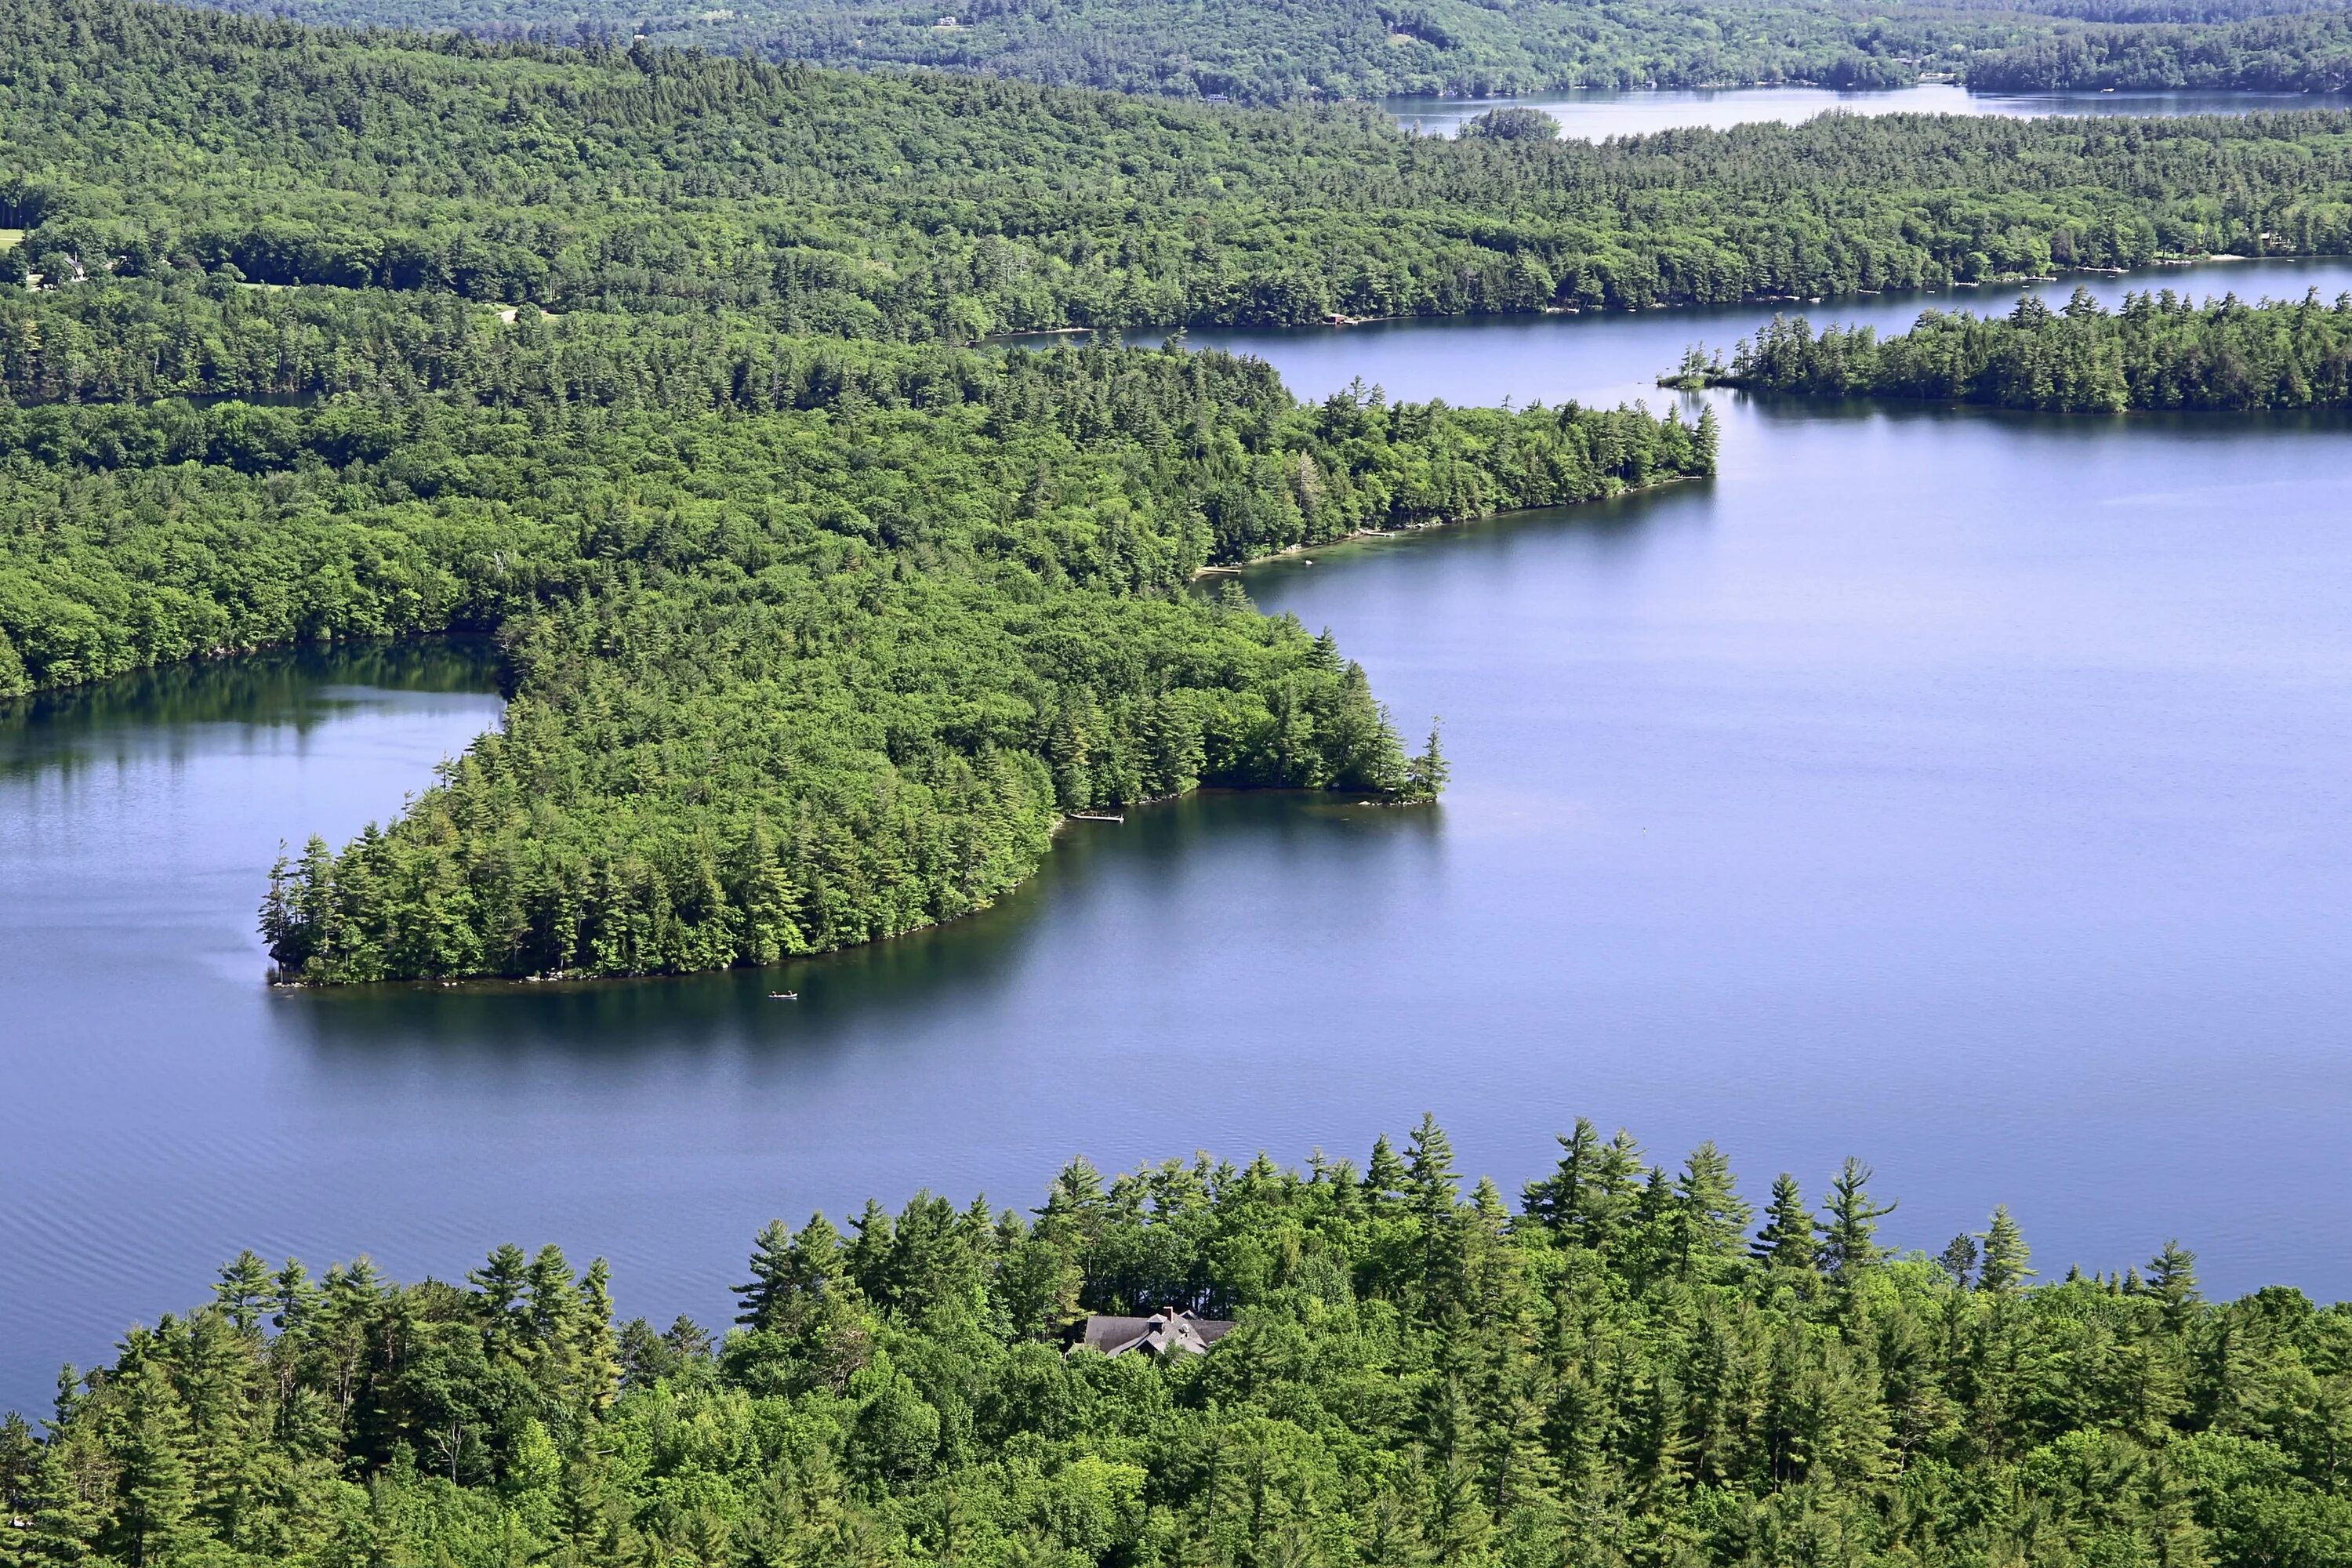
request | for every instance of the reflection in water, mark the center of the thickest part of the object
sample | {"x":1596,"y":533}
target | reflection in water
{"x":847,"y":1000}
{"x":293,"y":689}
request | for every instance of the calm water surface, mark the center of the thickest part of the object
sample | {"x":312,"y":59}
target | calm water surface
{"x":1963,"y":791}
{"x":1593,"y":115}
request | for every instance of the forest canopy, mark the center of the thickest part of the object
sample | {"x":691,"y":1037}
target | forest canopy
{"x":2159,"y":350}
{"x":809,"y":642}
{"x":1632,"y":1364}
{"x":948,"y":208}
{"x":817,"y":618}
{"x":1252,"y":51}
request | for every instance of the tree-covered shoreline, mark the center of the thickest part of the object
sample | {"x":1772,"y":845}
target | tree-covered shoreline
{"x":1631,"y":1365}
{"x":645,"y":181}
{"x":816,"y":619}
{"x":809,"y":642}
{"x":1327,"y":50}
{"x":2159,"y":350}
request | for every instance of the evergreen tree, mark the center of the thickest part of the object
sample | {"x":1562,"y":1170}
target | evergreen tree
{"x":69,"y":1502}
{"x":593,"y":1352}
{"x":1385,"y":1177}
{"x":2172,"y":1280}
{"x":152,"y":1525}
{"x":1433,"y":1192}
{"x":770,"y":1285}
{"x":1786,"y":1239}
{"x":244,"y":1291}
{"x":1558,"y":1201}
{"x":2003,"y":1269}
{"x":1425,"y":774}
{"x":1711,"y":1217}
{"x":1848,"y":1233}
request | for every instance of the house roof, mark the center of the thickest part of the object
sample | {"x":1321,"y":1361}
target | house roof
{"x":1162,"y":1333}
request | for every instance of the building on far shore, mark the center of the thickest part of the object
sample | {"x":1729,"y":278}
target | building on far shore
{"x":1164,"y":1333}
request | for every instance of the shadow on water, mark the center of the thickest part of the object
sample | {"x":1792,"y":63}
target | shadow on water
{"x":294,"y":688}
{"x":1788,"y":409}
{"x":1620,"y":527}
{"x":860,"y":999}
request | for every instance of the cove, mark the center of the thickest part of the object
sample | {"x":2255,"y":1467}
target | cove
{"x":1962,"y":791}
{"x":1595,"y":114}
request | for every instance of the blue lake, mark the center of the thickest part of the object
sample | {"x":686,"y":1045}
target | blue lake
{"x":1967,"y":792}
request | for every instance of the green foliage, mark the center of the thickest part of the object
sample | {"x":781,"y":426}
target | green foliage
{"x":2158,"y":351}
{"x":1263,"y":53}
{"x":935,"y":207}
{"x":809,"y":644}
{"x":811,"y":637}
{"x":2306,"y":53}
{"x":1608,"y":1377}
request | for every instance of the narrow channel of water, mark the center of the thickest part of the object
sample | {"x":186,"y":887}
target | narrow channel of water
{"x":1595,"y":114}
{"x":1967,"y":792}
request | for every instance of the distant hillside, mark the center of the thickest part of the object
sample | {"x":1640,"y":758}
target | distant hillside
{"x":1272,"y":51}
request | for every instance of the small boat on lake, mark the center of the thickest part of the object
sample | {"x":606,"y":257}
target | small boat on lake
{"x":783,"y":995}
{"x":1095,"y":816}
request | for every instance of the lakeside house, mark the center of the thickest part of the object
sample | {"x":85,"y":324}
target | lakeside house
{"x":1164,"y":1333}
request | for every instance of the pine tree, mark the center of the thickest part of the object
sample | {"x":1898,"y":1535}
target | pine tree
{"x":1786,"y":1239}
{"x":216,"y":1375}
{"x":1426,"y":772}
{"x":1557,"y":1200}
{"x":68,"y":1501}
{"x":156,"y":1489}
{"x":293,"y":1295}
{"x":1710,"y":1216}
{"x":772,"y":1277}
{"x":2003,"y":1269}
{"x":243,"y":1290}
{"x":872,"y":1244}
{"x":1384,"y":1174}
{"x":2172,"y":1280}
{"x":1433,"y":1191}
{"x":1430,"y":1178}
{"x":1619,"y":1180}
{"x":501,"y":1281}
{"x":594,"y":1350}
{"x":20,"y":1461}
{"x":1849,"y":1244}
{"x":1958,"y":1259}
{"x":550,"y":1296}
{"x":1650,"y":1245}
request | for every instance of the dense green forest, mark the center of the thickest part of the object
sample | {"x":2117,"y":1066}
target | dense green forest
{"x":2159,"y":350}
{"x":1257,"y":52}
{"x":810,"y":643}
{"x":1628,"y":1370}
{"x":147,"y":139}
{"x":815,"y":619}
{"x":2304,"y":53}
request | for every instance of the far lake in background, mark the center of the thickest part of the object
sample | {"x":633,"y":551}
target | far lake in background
{"x":1968,"y":792}
{"x":1595,"y":114}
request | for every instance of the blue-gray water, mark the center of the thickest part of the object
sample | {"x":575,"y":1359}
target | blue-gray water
{"x":1965,"y":792}
{"x":1595,"y":114}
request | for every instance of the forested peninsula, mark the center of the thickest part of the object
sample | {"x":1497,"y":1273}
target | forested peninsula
{"x":816,"y":616}
{"x":1632,"y":1366}
{"x":2159,"y":350}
